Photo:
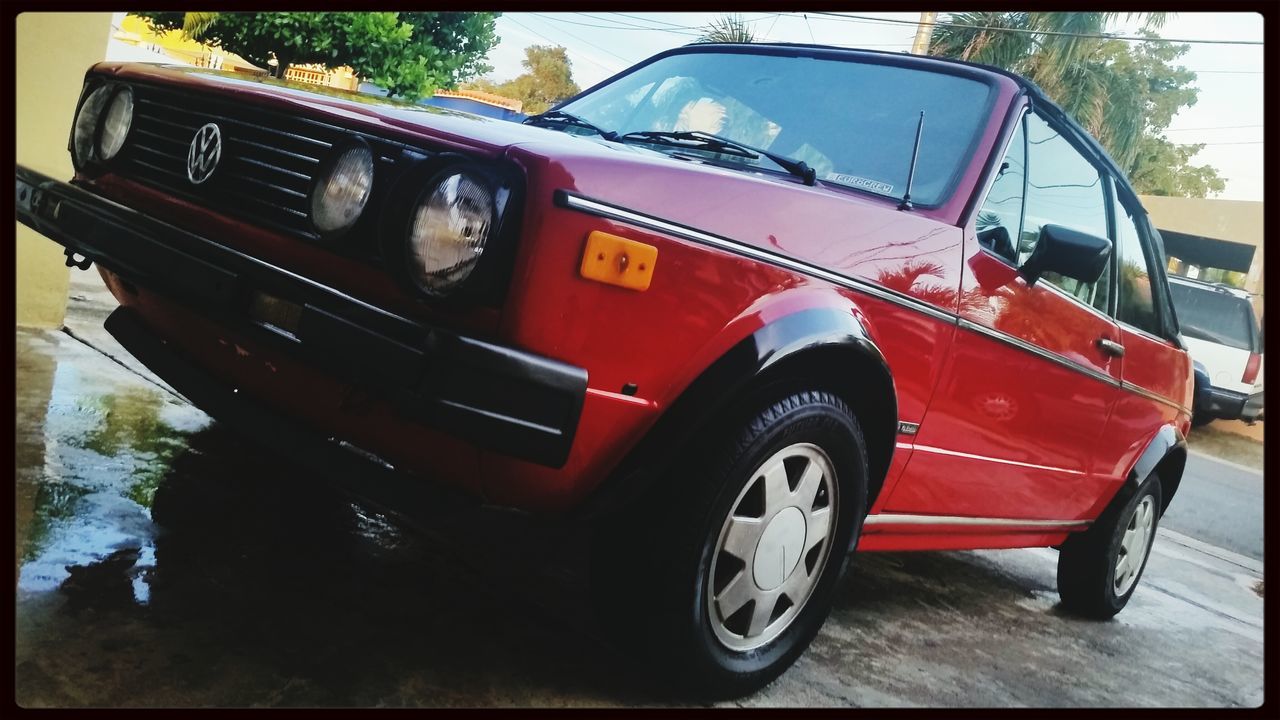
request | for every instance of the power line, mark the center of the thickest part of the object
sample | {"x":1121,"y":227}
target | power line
{"x":772,"y":25}
{"x":1230,"y":72}
{"x":588,"y":42}
{"x":689,"y":30}
{"x":1220,"y":127}
{"x":624,"y":26}
{"x":544,"y":37}
{"x":653,"y":20}
{"x":763,"y":16}
{"x":1102,"y":36}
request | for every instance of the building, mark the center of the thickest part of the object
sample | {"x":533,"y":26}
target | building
{"x":1213,"y":240}
{"x":478,"y":102}
{"x":343,"y":78}
{"x":130,"y":31}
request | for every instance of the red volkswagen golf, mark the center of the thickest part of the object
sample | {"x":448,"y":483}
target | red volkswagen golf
{"x":736,"y":312}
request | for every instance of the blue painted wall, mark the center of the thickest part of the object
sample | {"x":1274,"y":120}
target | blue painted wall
{"x":474,"y":107}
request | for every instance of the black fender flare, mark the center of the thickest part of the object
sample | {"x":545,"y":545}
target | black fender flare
{"x":1168,"y":449}
{"x":808,"y":339}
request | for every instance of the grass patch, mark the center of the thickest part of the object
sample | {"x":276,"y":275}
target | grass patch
{"x":1226,"y":446}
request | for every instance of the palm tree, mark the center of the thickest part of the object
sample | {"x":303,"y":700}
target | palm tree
{"x":1047,"y":48}
{"x":195,"y":24}
{"x":728,"y":29}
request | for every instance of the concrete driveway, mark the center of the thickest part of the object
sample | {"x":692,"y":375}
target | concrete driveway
{"x":161,"y":562}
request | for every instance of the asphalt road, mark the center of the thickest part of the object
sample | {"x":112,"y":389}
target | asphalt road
{"x":1219,"y":503}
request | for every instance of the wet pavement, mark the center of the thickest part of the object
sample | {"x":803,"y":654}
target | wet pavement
{"x":163,"y":562}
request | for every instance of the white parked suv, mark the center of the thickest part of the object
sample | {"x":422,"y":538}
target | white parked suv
{"x":1225,"y":341}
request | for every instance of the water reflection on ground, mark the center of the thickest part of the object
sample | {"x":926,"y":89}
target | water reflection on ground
{"x":163,"y":561}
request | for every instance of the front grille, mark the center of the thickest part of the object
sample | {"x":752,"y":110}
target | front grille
{"x":268,"y":158}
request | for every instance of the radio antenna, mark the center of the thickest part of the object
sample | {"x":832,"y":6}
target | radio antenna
{"x":911,"y":174}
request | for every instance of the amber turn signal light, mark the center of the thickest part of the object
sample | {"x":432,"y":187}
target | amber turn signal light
{"x":618,"y":261}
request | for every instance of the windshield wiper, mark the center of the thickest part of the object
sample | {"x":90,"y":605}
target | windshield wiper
{"x":560,"y":117}
{"x":715,"y":143}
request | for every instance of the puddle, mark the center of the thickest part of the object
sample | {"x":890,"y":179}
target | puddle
{"x":96,"y":446}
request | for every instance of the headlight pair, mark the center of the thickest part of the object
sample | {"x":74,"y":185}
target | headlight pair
{"x":449,"y":223}
{"x":102,"y":124}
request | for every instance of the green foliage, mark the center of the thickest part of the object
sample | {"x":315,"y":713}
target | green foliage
{"x":548,"y":79}
{"x":196,"y":24}
{"x":1124,"y":94}
{"x":409,"y":54}
{"x":728,"y":29}
{"x":1163,"y":168}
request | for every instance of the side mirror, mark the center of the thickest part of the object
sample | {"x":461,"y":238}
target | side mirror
{"x":1067,"y":252}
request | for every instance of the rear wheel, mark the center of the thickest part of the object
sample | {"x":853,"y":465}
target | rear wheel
{"x":1099,"y":569}
{"x":723,"y":580}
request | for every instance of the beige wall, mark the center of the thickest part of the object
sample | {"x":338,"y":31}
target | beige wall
{"x":1238,"y":221}
{"x":53,"y":51}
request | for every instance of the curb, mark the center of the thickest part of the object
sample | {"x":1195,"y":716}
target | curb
{"x":1243,"y":561}
{"x":1228,"y":463}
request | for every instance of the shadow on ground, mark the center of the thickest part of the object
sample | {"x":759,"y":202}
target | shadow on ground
{"x":254,"y":588}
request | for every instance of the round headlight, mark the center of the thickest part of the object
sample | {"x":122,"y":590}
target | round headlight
{"x":87,"y":124}
{"x":340,"y":195}
{"x":448,"y":232}
{"x":115,"y":123}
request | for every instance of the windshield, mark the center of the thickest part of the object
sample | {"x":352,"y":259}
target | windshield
{"x":854,"y":123}
{"x":1219,"y":317}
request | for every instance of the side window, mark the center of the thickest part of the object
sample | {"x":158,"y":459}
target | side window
{"x":1137,"y":307}
{"x":1000,"y":218}
{"x":1063,"y":188}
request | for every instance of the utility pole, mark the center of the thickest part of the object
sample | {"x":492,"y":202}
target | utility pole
{"x":924,"y":33}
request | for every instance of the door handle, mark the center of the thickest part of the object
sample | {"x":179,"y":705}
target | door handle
{"x":1110,"y":347}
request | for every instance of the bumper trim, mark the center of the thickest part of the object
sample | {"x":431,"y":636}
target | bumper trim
{"x":496,"y":397}
{"x":1231,"y":405}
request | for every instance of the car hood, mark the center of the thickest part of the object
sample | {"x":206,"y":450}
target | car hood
{"x":850,"y":233}
{"x":401,"y":120}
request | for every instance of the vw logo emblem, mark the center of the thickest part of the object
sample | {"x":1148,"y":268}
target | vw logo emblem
{"x":206,"y":149}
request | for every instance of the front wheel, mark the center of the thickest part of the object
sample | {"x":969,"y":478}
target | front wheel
{"x":1099,"y":569}
{"x":736,"y":577}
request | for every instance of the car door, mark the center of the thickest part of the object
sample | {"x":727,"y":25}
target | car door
{"x":1029,"y":384}
{"x":1157,"y":376}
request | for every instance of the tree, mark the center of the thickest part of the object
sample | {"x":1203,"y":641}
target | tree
{"x":728,"y":29}
{"x":1163,"y":168}
{"x":409,"y":54}
{"x":548,"y":80}
{"x":1125,"y":94}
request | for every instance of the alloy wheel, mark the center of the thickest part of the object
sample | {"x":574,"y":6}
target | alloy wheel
{"x":773,"y":547}
{"x":1133,"y":546}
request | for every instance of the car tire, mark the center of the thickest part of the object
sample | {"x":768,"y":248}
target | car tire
{"x":1099,"y":569}
{"x":1199,"y":419}
{"x":668,"y":581}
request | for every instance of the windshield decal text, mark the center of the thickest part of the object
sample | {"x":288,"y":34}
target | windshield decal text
{"x":854,"y":180}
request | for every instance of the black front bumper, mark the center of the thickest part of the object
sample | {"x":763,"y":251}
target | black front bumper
{"x":496,"y":397}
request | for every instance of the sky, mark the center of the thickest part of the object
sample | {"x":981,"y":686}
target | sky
{"x":1227,"y":115}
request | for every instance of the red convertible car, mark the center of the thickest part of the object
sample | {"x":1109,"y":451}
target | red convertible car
{"x":738,"y":311}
